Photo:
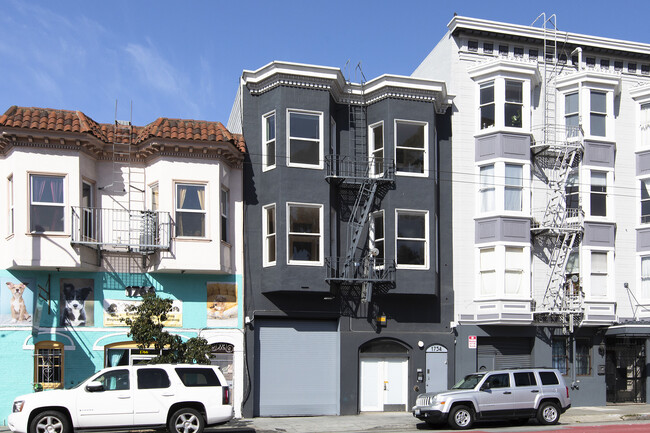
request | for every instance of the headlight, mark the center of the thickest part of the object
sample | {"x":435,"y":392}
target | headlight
{"x":18,"y":405}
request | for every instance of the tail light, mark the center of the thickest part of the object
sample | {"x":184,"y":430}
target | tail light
{"x":567,"y":392}
{"x":225,"y":394}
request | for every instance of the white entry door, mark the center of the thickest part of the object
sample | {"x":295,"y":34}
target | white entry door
{"x":383,"y":384}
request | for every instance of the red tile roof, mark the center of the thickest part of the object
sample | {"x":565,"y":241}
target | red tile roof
{"x":75,"y":121}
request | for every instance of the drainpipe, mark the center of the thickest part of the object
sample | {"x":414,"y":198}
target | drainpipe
{"x":579,"y":52}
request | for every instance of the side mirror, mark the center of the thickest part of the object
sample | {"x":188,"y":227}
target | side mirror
{"x":94,"y":386}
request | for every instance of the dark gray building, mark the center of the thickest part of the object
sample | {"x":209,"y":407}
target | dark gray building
{"x":348,"y":292}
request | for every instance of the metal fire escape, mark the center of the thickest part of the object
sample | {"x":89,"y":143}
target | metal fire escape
{"x":125,"y":225}
{"x":557,"y":150}
{"x":366,"y":178}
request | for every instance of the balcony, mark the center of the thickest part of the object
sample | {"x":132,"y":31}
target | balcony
{"x":356,"y":170}
{"x":557,"y":220}
{"x":368,"y":269}
{"x":136,"y":231}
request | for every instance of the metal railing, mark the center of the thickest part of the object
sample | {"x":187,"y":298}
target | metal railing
{"x":557,"y":135}
{"x":367,"y":269}
{"x":346,"y":167}
{"x":569,"y":219}
{"x":130,"y":230}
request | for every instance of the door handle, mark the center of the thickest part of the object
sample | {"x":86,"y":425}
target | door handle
{"x":534,"y":390}
{"x":507,"y":392}
{"x":168,"y":395}
{"x":123,"y":396}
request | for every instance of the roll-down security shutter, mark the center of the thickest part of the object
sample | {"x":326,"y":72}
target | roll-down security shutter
{"x":297,"y":367}
{"x":508,"y":352}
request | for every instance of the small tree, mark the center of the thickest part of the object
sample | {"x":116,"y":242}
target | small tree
{"x":147,"y":331}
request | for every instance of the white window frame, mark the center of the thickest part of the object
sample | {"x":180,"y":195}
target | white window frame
{"x":320,"y":140}
{"x":320,"y":235}
{"x":265,"y":141}
{"x":267,"y":236}
{"x":511,"y":270}
{"x":519,"y":104}
{"x":487,"y":189}
{"x":644,"y":184}
{"x":154,"y":196}
{"x":482,"y":86}
{"x":603,"y":114}
{"x":485,"y":272}
{"x":62,"y":204}
{"x":372,"y":234}
{"x":643,"y":291}
{"x":644,"y":125}
{"x":608,"y":210}
{"x":224,"y":212}
{"x":426,"y":240}
{"x":425,"y":148}
{"x":202,"y":211}
{"x":573,"y":132}
{"x":10,"y":205}
{"x":372,"y":150}
{"x":607,"y":274}
{"x":509,"y":186}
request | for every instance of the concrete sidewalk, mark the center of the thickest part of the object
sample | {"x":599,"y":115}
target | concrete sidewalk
{"x":404,"y":421}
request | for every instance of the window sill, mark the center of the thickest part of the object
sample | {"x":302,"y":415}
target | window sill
{"x":307,"y":166}
{"x":269,"y":168}
{"x":10,"y":237}
{"x":304,"y":263}
{"x":191,"y":239}
{"x":410,"y":174}
{"x":412,"y":267}
{"x":48,"y":234}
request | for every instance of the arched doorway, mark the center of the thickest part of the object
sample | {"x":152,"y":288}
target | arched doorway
{"x":383,"y":376}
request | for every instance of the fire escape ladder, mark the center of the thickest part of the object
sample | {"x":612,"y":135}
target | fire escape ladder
{"x":357,"y":221}
{"x":554,"y":298}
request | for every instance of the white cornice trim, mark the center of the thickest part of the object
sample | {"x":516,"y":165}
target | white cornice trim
{"x":331,"y":79}
{"x":459,"y":22}
{"x":641,"y":94}
{"x":587,"y":76}
{"x":505,"y":67}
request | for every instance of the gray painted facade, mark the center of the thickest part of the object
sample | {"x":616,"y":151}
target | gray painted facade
{"x":416,"y":306}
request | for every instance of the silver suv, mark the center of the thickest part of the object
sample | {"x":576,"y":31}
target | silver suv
{"x":185,"y":398}
{"x":517,"y":394}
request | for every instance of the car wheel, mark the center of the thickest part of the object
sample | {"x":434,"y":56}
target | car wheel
{"x":50,"y":421}
{"x":186,"y":420}
{"x":548,"y":413}
{"x":461,"y":417}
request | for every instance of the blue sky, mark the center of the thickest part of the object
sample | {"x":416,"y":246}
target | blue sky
{"x":183,"y":59}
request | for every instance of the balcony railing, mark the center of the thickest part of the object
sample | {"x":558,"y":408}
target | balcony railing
{"x":568,"y":219}
{"x":557,"y":137}
{"x":345,"y":167}
{"x":120,"y":229}
{"x":369,"y":269}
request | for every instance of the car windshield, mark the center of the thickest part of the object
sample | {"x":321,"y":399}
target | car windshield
{"x":468,"y":382}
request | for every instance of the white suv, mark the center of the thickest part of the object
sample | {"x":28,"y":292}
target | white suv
{"x":516,"y":394}
{"x":185,"y":398}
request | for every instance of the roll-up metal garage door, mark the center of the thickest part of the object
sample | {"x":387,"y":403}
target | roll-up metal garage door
{"x":507,"y":352}
{"x":297,"y":367}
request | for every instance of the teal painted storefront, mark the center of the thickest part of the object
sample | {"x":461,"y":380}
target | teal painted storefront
{"x":84,"y":345}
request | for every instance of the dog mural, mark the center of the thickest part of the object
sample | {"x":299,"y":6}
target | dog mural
{"x":18,"y":308}
{"x":74,"y":305}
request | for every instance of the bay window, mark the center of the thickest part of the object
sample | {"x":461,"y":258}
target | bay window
{"x":487,"y":269}
{"x":376,"y":149}
{"x":305,"y":139}
{"x":305,"y":234}
{"x":411,"y":147}
{"x":572,"y":191}
{"x":377,"y":234}
{"x":514,"y":270}
{"x":645,"y":125}
{"x":572,"y":114}
{"x":598,"y":274}
{"x":645,"y":201}
{"x":645,"y":277}
{"x":190,"y":210}
{"x":412,"y":238}
{"x":46,"y":203}
{"x":224,"y":207}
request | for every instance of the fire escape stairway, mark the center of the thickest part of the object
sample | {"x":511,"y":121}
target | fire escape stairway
{"x":357,"y":222}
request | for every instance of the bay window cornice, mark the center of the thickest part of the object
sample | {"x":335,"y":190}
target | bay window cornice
{"x":508,"y":68}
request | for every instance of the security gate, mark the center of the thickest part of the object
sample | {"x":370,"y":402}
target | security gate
{"x":626,"y":370}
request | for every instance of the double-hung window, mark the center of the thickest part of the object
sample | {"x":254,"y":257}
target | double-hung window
{"x":560,"y":355}
{"x":269,"y":233}
{"x":377,"y":234}
{"x":305,"y":236}
{"x":572,"y":191}
{"x":268,"y":145}
{"x":46,"y":203}
{"x":598,"y":273}
{"x":486,"y":189}
{"x":572,"y":114}
{"x":645,"y":201}
{"x":645,"y":277}
{"x":514,"y":104}
{"x":598,"y":193}
{"x":154,"y":194}
{"x":514,"y":186}
{"x":487,"y":269}
{"x":514,"y":270}
{"x":412,"y":238}
{"x":190,"y":210}
{"x":411,"y":147}
{"x":583,"y":357}
{"x":645,"y":126}
{"x":305,"y":139}
{"x":598,"y":114}
{"x":225,"y":214}
{"x":487,"y":104}
{"x":376,"y":150}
